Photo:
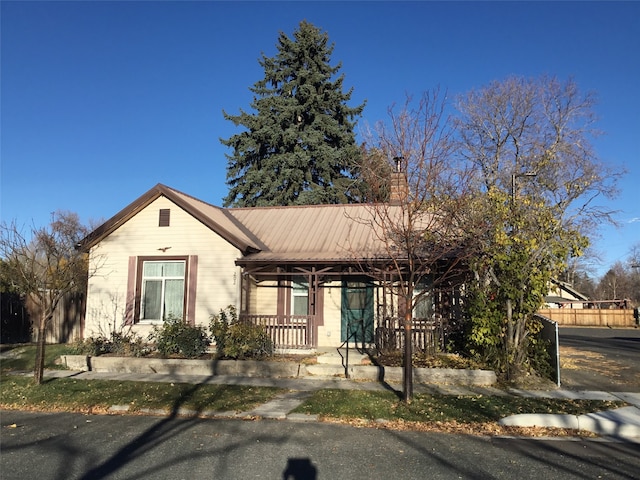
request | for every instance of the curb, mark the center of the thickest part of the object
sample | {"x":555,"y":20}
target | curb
{"x":619,"y":423}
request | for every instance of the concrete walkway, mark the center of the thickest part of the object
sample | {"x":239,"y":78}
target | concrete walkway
{"x":622,"y":423}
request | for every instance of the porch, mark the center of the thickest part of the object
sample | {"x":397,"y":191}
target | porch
{"x":287,"y":331}
{"x":301,"y":332}
{"x":427,"y":335}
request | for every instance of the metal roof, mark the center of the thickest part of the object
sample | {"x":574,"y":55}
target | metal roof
{"x":311,"y":233}
{"x":301,"y":234}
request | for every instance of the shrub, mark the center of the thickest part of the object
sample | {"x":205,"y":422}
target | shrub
{"x":176,"y":337}
{"x":239,"y":340}
{"x":117,"y":342}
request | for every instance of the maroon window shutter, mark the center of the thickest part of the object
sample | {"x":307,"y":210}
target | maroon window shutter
{"x":192,"y":282}
{"x":130,"y":304}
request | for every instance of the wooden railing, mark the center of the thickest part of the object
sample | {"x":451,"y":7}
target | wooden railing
{"x":590,"y":317}
{"x":287,"y":331}
{"x":427,"y":335}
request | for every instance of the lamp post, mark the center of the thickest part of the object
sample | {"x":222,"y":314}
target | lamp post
{"x":636,"y":311}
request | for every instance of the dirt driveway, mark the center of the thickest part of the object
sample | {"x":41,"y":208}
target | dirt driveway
{"x":600,"y":359}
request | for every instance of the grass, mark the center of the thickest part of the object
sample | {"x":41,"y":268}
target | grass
{"x":23,"y":357}
{"x":439,"y":408}
{"x":475,"y":414}
{"x":67,"y":394}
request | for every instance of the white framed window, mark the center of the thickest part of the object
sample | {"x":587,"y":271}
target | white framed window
{"x":162,"y":289}
{"x":299,"y":296}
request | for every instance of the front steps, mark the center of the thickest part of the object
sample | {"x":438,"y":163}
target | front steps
{"x":339,"y":363}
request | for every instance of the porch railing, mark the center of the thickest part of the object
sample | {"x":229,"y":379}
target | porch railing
{"x":427,"y":335}
{"x":287,"y":331}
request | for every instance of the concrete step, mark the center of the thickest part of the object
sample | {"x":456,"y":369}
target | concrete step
{"x":340,"y":358}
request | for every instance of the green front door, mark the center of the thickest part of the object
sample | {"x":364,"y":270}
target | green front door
{"x":357,"y":311}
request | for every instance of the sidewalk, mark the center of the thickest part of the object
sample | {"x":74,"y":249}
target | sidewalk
{"x":622,"y":423}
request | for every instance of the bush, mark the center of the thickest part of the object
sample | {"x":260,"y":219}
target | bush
{"x":239,"y":340}
{"x":176,"y":337}
{"x":117,"y":342}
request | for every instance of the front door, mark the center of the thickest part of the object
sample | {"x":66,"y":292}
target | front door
{"x":357,"y":310}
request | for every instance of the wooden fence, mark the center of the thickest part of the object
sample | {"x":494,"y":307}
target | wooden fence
{"x":427,"y":335}
{"x":20,"y":319}
{"x":590,"y":317}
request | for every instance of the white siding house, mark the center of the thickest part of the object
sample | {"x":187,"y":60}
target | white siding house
{"x":130,"y":254}
{"x":299,"y":271}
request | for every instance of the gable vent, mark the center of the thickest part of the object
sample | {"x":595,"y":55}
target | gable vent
{"x":164,"y":218}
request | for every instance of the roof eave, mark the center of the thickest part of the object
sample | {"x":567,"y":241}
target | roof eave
{"x":145,"y":200}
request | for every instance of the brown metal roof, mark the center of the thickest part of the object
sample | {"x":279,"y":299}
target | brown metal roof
{"x":300,"y":234}
{"x":314,"y":233}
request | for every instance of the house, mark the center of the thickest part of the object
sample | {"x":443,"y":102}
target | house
{"x":300,"y":271}
{"x":563,"y":295}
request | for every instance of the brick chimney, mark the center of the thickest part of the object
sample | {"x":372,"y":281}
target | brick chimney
{"x":399,"y":191}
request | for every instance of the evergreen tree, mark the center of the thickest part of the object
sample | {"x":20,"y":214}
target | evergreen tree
{"x":299,"y":146}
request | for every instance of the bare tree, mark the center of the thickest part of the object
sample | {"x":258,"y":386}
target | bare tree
{"x":44,"y":264}
{"x":541,"y":129}
{"x":418,"y":213}
{"x":621,"y":282}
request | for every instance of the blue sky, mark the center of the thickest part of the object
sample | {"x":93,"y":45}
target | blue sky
{"x":102,"y":100}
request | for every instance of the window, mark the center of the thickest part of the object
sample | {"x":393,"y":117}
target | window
{"x":164,"y":217}
{"x":163,"y":289}
{"x":423,"y":308}
{"x":299,"y":296}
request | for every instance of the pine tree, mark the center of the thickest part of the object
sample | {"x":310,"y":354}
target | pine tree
{"x":299,"y":146}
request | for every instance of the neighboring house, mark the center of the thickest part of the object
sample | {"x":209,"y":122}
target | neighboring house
{"x":300,"y":271}
{"x":563,"y":295}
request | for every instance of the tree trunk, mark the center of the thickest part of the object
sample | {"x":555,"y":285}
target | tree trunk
{"x":407,"y":373}
{"x":38,"y":372}
{"x":509,"y":340}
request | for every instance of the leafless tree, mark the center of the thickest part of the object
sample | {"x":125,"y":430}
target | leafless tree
{"x":419,"y":213}
{"x":538,"y":128}
{"x":544,"y":127}
{"x":44,"y":264}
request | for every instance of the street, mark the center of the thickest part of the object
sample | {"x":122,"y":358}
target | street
{"x":74,"y":446}
{"x":600,"y":358}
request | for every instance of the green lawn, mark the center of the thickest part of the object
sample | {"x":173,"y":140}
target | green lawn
{"x":68,"y":394}
{"x":439,"y":408}
{"x":23,"y":357}
{"x":18,"y":391}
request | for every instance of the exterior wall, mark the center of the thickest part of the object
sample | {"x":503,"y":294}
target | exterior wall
{"x":264,"y":298}
{"x":329,"y":333}
{"x":217,"y":275}
{"x":557,"y":291}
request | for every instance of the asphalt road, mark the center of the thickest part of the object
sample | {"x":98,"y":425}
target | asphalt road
{"x":74,"y":446}
{"x":600,"y":358}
